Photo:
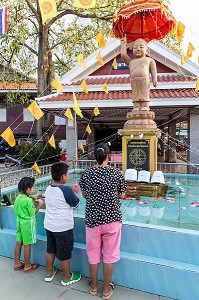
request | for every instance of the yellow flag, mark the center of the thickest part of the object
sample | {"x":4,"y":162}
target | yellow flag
{"x":58,"y":85}
{"x":80,"y":60}
{"x":105,"y":88}
{"x":85,"y":4}
{"x":99,"y":58}
{"x":114,"y":64}
{"x":84,"y":87}
{"x":69,"y":115}
{"x":35,"y":110}
{"x":81,"y":147}
{"x":180,"y":31}
{"x":197,"y":85}
{"x":173,"y":31}
{"x":36,"y":168}
{"x":115,"y":16}
{"x":183,"y":59}
{"x":101,"y":40}
{"x":52,"y":141}
{"x":88,"y":129}
{"x":112,"y":34}
{"x":190,"y":50}
{"x":96,"y":111}
{"x":76,"y":106}
{"x":8,"y":136}
{"x":48,"y":9}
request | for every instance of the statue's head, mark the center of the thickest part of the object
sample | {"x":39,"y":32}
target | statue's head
{"x":140,"y":48}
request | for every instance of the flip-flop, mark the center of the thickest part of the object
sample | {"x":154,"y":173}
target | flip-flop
{"x":91,"y":292}
{"x":108,"y":296}
{"x":32,"y":268}
{"x":19,"y":268}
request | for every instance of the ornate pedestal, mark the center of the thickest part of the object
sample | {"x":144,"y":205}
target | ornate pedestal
{"x":139,"y":141}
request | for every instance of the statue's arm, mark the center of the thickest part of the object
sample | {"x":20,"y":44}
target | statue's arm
{"x":124,"y":54}
{"x":153,"y":71}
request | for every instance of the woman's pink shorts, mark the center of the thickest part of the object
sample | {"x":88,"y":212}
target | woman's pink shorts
{"x":103,"y":240}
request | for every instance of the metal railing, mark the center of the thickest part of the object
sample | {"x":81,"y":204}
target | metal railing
{"x":12,"y":177}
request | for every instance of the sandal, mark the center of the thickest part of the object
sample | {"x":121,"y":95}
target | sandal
{"x":20,"y":267}
{"x":32,"y":268}
{"x":108,"y":296}
{"x":91,"y":292}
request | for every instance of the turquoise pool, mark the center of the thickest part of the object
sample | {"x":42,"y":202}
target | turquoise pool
{"x":179,"y":209}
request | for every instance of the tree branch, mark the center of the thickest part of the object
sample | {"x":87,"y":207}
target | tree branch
{"x":61,"y":61}
{"x":32,"y":9}
{"x":31,"y":49}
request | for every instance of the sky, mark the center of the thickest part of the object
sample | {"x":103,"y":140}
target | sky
{"x":187,"y":12}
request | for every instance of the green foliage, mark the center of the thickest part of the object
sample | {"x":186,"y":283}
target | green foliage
{"x":16,"y":98}
{"x":38,"y":152}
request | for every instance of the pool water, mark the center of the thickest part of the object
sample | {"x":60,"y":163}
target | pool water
{"x":179,"y":209}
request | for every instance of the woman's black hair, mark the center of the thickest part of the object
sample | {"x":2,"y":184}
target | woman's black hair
{"x":58,"y":169}
{"x":100,"y":152}
{"x":25,"y":183}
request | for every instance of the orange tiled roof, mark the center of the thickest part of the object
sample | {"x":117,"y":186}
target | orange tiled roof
{"x":22,"y":86}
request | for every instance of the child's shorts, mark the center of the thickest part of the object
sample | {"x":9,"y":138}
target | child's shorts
{"x":60,"y":243}
{"x":26,"y":231}
{"x":103,"y":240}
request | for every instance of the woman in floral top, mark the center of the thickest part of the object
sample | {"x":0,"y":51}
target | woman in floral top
{"x":103,"y":186}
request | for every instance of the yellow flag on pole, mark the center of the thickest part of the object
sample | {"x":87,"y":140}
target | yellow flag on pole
{"x":173,"y":31}
{"x":88,"y":129}
{"x":52,"y":141}
{"x":84,"y":87}
{"x":81,"y":147}
{"x":180,"y":31}
{"x":190,"y":51}
{"x":114,"y":64}
{"x":48,"y":9}
{"x":85,"y":4}
{"x":197,"y":85}
{"x":57,"y":85}
{"x":35,"y":110}
{"x":69,"y":115}
{"x":80,"y":60}
{"x":99,"y":58}
{"x":76,"y":106}
{"x":36,"y":168}
{"x":101,"y":40}
{"x":105,"y":88}
{"x":96,"y":111}
{"x":8,"y":136}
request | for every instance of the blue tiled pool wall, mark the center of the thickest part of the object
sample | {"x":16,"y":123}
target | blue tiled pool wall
{"x":158,"y":260}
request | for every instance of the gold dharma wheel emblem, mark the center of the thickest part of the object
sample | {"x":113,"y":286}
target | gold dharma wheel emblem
{"x":85,"y":2}
{"x":46,"y":7}
{"x":137,"y":157}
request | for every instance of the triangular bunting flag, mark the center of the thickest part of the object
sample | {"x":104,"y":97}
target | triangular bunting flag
{"x":48,"y":9}
{"x":114,"y":64}
{"x":76,"y":106}
{"x":190,"y":51}
{"x":183,"y":59}
{"x":197,"y":85}
{"x":80,"y":60}
{"x":173,"y":31}
{"x":36,"y":168}
{"x":162,"y":9}
{"x":180,"y":31}
{"x":96,"y":111}
{"x":88,"y":129}
{"x":84,"y":87}
{"x":85,"y":4}
{"x":52,"y":141}
{"x":105,"y":88}
{"x":81,"y":147}
{"x":101,"y":40}
{"x":35,"y":110}
{"x":112,"y":34}
{"x":115,"y":16}
{"x":58,"y":85}
{"x":8,"y":136}
{"x":69,"y":115}
{"x":99,"y":58}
